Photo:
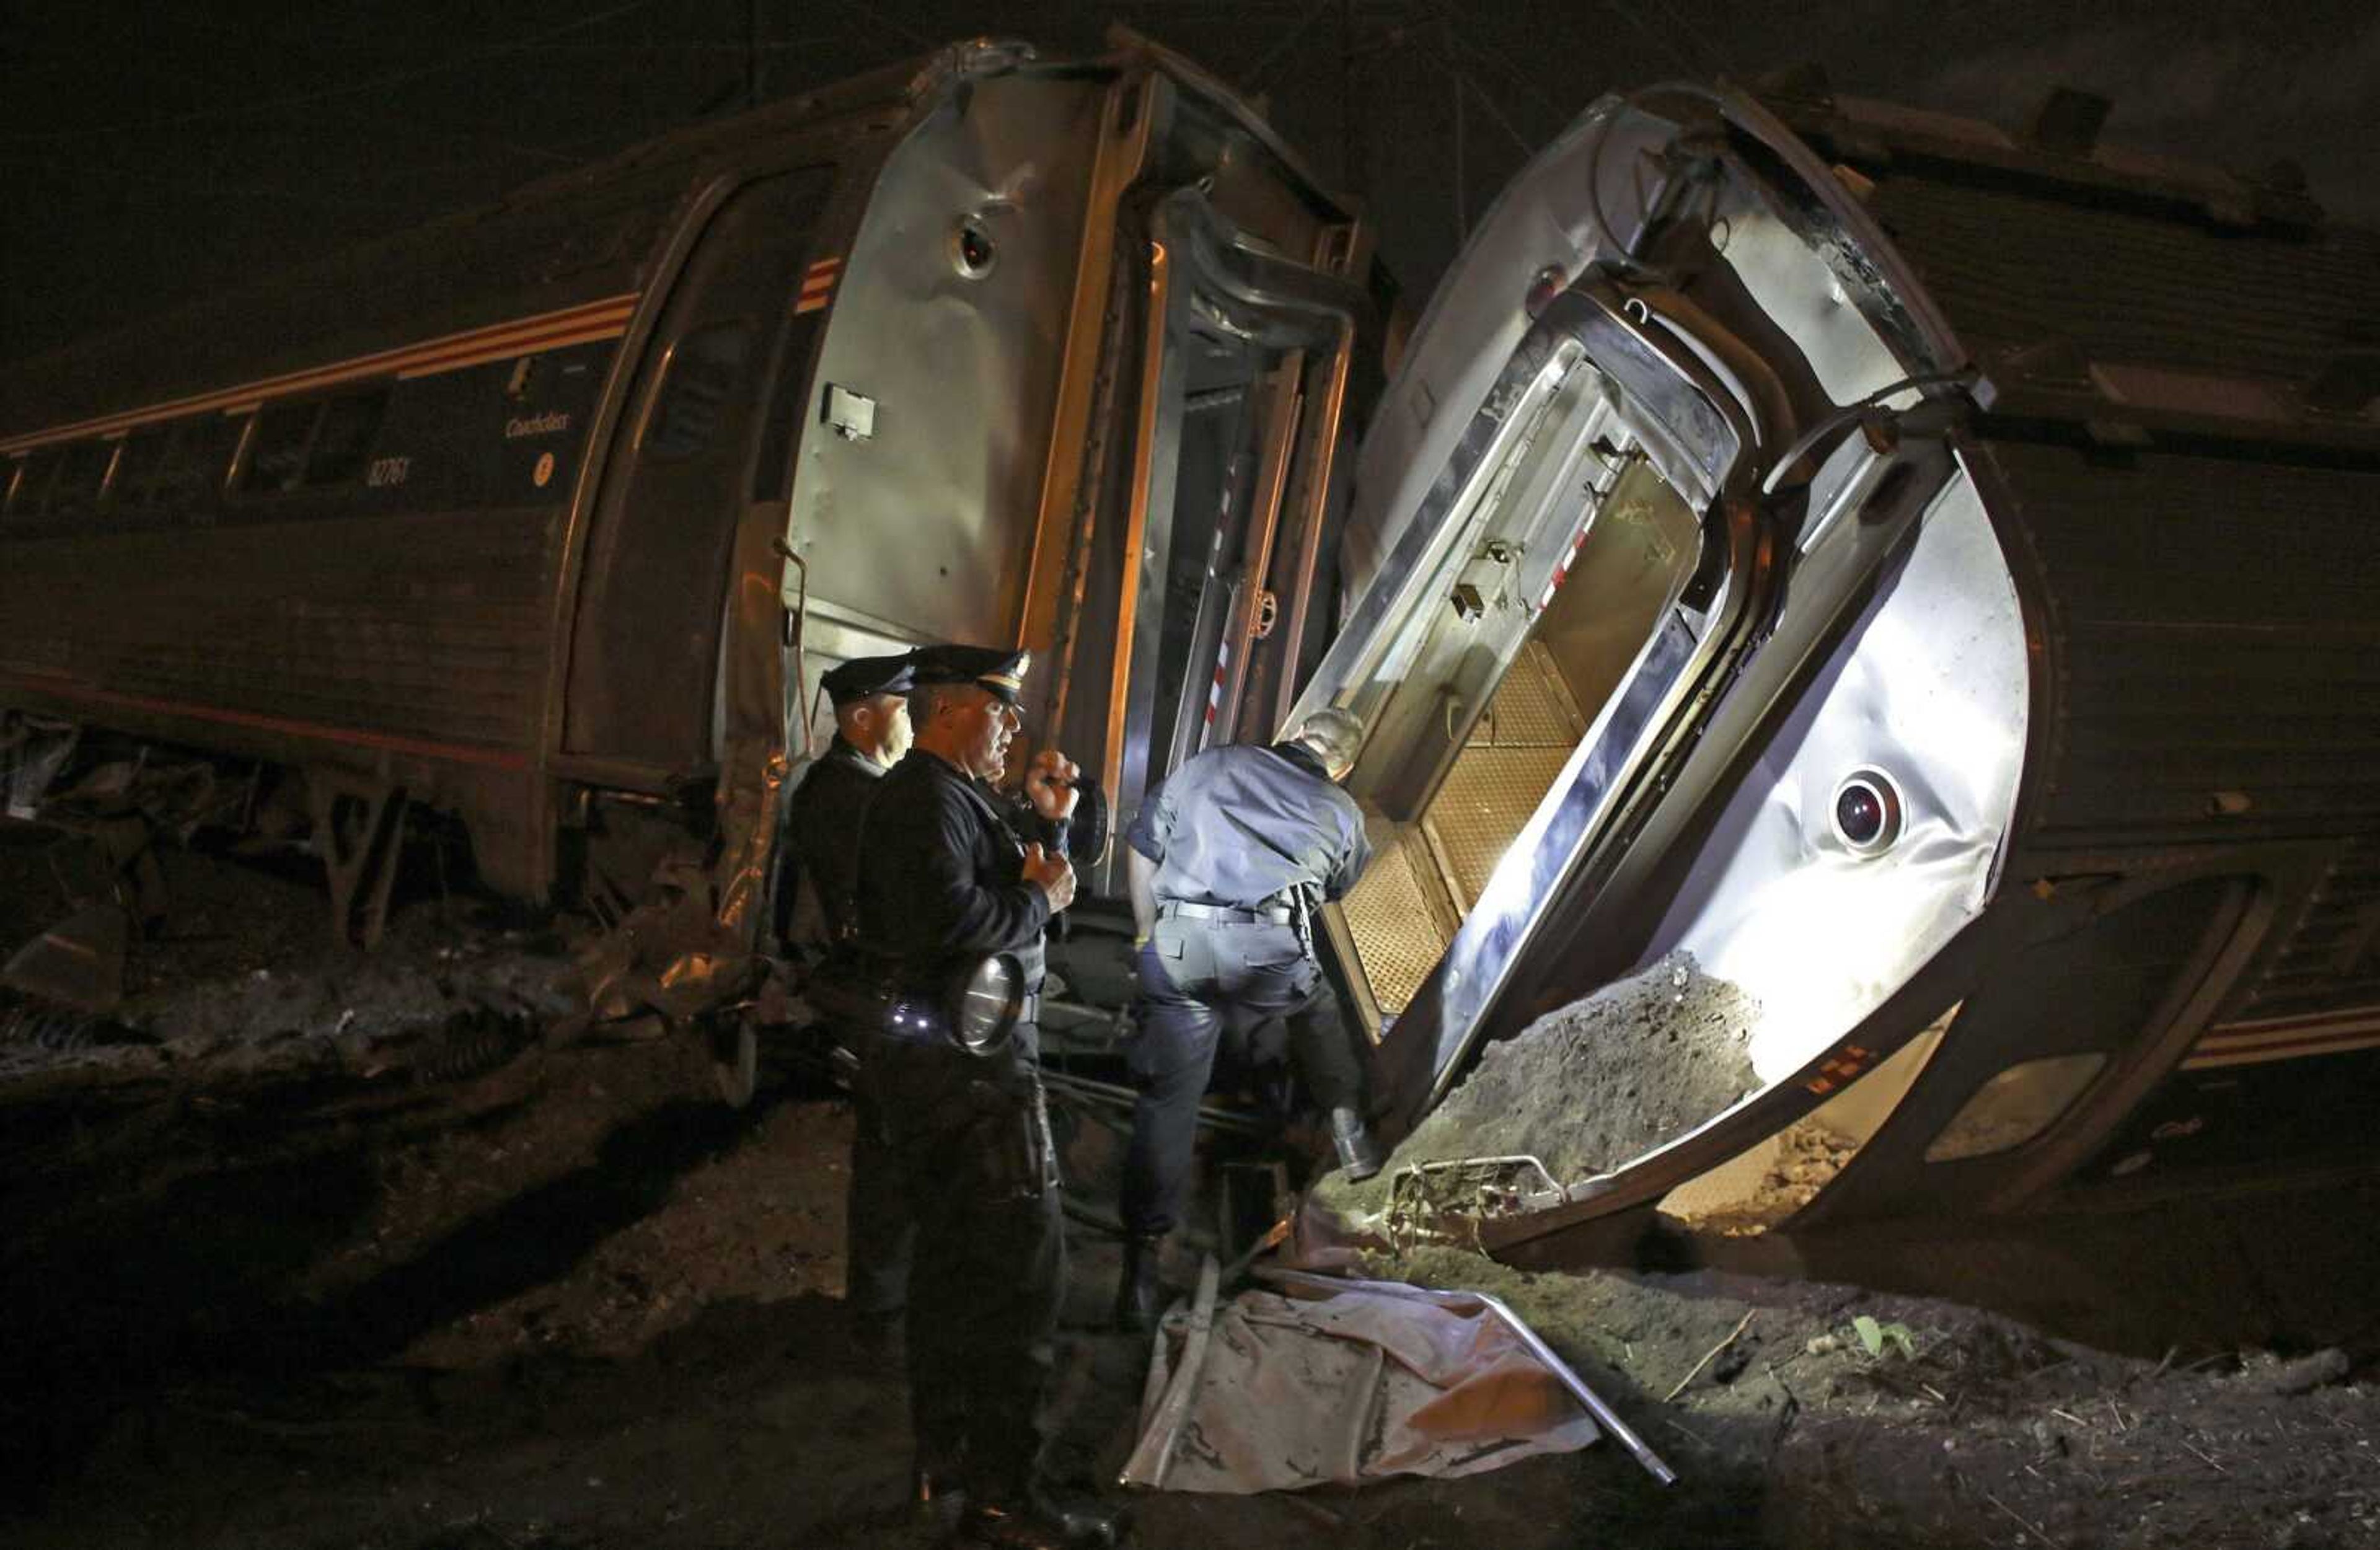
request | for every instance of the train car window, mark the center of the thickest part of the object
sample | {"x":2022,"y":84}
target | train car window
{"x":195,"y":458}
{"x":703,"y":372}
{"x":276,"y":454}
{"x":136,"y":466}
{"x":2014,"y":1106}
{"x":75,"y":491}
{"x":343,"y":439}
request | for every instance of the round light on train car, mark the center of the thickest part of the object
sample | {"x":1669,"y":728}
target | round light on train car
{"x":972,"y":250}
{"x":1867,"y":811}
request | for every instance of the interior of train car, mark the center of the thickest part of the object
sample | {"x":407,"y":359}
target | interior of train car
{"x":1480,"y":703}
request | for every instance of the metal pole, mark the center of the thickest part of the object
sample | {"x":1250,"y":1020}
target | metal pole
{"x":1155,"y":1455}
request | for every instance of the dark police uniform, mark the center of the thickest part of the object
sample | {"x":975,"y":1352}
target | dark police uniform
{"x":820,"y":871}
{"x":942,"y":888}
{"x":817,"y":906}
{"x":1236,"y":833}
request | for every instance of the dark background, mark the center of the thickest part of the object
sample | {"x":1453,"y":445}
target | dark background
{"x":150,"y":151}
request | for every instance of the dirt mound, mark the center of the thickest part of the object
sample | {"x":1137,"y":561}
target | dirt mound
{"x":1593,"y":1084}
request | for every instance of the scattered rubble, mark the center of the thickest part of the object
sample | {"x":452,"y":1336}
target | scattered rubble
{"x":1808,"y":1155}
{"x":273,"y":1295}
{"x":1863,"y":1419}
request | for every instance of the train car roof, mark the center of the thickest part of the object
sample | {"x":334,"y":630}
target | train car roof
{"x":574,"y":238}
{"x":562,"y":240}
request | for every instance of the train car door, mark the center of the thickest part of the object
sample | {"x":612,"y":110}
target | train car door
{"x":642,"y":679}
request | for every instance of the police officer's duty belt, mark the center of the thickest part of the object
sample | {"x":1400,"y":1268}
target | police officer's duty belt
{"x":1278,"y":914}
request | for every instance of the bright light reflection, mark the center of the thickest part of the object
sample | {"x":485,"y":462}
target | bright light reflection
{"x":1821,"y":945}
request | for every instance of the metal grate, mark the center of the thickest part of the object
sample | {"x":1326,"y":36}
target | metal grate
{"x":1428,"y":874}
{"x":1488,"y":796}
{"x":1532,"y":708}
{"x":1399,"y":935}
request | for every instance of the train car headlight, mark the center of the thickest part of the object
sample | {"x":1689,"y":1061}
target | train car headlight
{"x":1867,"y":811}
{"x":984,"y":1004}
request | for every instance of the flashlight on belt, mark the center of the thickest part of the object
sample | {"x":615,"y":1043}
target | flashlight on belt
{"x":975,"y":1008}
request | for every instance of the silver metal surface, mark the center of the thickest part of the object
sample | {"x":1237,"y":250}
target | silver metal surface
{"x":1929,"y":688}
{"x":1469,"y":428}
{"x":1153,"y":1456}
{"x":925,"y":523}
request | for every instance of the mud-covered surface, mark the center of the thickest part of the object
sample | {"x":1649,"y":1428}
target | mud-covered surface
{"x":1592,"y":1084}
{"x":275,"y":1282}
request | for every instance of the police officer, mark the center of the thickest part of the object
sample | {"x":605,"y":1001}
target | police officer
{"x":1227,"y":858}
{"x":817,"y":891}
{"x":816,"y":886}
{"x":948,"y":879}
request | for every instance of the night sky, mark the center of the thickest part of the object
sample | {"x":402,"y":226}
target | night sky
{"x":152,"y":151}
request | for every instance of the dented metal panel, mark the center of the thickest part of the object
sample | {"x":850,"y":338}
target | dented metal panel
{"x":925,"y":524}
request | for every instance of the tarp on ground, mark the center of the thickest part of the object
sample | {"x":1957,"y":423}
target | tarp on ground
{"x":1358,"y":1387}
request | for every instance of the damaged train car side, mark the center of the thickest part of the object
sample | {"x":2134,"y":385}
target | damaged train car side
{"x":551,"y":516}
{"x":1925,"y":577}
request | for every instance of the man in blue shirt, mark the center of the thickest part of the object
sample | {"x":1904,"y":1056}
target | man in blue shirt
{"x":1228,"y":859}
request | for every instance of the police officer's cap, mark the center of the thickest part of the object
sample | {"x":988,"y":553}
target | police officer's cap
{"x":863,"y":676}
{"x":988,"y":667}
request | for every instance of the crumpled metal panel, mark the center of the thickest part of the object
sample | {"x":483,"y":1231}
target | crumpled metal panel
{"x":1931,"y":689}
{"x":964,"y":400}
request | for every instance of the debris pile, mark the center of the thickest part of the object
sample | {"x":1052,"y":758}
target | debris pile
{"x":1808,"y":1155}
{"x":1593,"y":1084}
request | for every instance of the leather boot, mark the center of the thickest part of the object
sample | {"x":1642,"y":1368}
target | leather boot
{"x":1041,"y":1520}
{"x":1136,"y":1287}
{"x":1359,"y":1155}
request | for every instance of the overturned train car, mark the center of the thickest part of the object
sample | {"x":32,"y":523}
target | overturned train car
{"x":549,"y":517}
{"x":1928,"y":574}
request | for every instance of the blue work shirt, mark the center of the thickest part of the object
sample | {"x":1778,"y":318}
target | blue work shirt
{"x":1242,"y":825}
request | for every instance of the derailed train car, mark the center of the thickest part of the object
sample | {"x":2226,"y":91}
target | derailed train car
{"x":1927,"y":575}
{"x":549,"y":517}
